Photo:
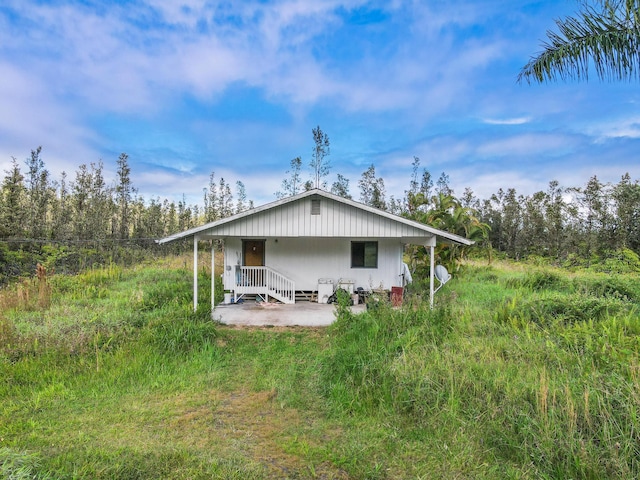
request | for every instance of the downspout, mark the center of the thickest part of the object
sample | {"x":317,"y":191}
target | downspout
{"x":195,"y":273}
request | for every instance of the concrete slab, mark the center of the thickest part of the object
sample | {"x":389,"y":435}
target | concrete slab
{"x":306,"y":314}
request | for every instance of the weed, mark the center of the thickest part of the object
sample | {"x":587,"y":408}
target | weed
{"x":20,"y":465}
{"x":182,"y":331}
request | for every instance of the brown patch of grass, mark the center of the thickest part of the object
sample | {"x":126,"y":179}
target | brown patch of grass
{"x":29,"y":294}
{"x":225,"y":424}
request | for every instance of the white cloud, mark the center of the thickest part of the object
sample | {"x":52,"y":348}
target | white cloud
{"x":628,"y":127}
{"x":507,"y":121}
{"x":527,"y":145}
{"x":31,"y":117}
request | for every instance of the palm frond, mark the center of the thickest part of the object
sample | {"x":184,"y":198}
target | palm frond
{"x":607,"y":41}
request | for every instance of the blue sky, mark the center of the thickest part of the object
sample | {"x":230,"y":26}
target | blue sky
{"x":190,"y":87}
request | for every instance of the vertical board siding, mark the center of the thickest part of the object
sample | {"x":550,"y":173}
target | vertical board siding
{"x":335,"y":220}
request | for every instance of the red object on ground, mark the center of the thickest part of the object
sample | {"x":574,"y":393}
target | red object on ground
{"x":396,"y":296}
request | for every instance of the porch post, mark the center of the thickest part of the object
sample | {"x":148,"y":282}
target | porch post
{"x":213,"y":275}
{"x":195,"y":273}
{"x":431,"y":244}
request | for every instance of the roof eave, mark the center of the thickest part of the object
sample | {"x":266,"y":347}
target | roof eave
{"x":434,"y":231}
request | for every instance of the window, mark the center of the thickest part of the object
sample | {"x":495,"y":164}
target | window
{"x":364,"y":254}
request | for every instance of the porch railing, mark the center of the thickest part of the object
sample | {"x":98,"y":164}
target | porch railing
{"x":263,"y":281}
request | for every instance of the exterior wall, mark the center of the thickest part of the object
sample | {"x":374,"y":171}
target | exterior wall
{"x":295,"y":220}
{"x":305,"y":260}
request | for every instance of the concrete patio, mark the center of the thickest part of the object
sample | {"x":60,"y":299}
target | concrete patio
{"x":305,"y":314}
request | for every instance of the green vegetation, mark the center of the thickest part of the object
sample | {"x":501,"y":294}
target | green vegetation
{"x":521,"y":371}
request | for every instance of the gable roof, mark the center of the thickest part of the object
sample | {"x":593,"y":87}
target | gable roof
{"x":297,"y":216}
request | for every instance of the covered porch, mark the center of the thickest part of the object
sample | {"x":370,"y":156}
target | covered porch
{"x":269,"y":284}
{"x":301,"y":244}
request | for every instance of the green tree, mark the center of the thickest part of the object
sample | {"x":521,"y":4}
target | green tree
{"x":605,"y":36}
{"x":211,"y":200}
{"x":225,"y":199}
{"x":626,"y":196}
{"x":419,"y":189}
{"x":293,"y":184}
{"x":81,"y":195}
{"x":241,"y":195}
{"x":13,"y":199}
{"x":446,"y":213}
{"x":92,"y":203}
{"x":341,"y":187}
{"x":319,"y":164}
{"x":511,"y":224}
{"x":170,"y":217}
{"x":442,"y":185}
{"x":62,"y":211}
{"x":124,"y":192}
{"x":532,"y":238}
{"x":556,"y":212}
{"x":372,"y":191}
{"x":39,"y":194}
{"x":595,"y":217}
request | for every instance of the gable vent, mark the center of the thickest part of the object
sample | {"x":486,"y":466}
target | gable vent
{"x":315,"y":207}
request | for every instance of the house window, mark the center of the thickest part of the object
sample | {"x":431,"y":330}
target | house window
{"x":315,"y":207}
{"x":364,"y":254}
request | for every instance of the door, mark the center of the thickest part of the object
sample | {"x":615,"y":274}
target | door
{"x":253,"y":256}
{"x":253,"y":253}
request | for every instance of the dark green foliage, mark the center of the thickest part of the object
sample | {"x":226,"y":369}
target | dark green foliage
{"x":625,"y":288}
{"x":16,"y":262}
{"x":544,"y":279}
{"x":553,"y":308}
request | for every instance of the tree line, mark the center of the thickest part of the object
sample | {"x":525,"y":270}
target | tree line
{"x":574,"y":224}
{"x":34,"y":206}
{"x":563,"y":223}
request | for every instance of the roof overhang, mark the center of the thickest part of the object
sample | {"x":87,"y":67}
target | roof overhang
{"x":424,"y":236}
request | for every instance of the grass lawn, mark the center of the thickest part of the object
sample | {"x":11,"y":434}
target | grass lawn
{"x":519,"y":372}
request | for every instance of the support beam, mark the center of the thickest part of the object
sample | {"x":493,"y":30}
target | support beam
{"x":213,"y":275}
{"x":195,"y":273}
{"x":431,"y":273}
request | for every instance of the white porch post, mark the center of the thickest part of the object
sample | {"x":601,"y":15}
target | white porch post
{"x":431,"y":244}
{"x":213,"y":275}
{"x":195,"y":273}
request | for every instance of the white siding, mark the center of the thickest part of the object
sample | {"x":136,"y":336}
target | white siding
{"x":305,"y":260}
{"x":295,"y":220}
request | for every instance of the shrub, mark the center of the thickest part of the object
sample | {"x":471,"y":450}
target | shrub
{"x":552,"y":309}
{"x":626,"y":288}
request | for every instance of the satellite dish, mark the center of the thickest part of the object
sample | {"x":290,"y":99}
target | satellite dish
{"x":442,"y":275}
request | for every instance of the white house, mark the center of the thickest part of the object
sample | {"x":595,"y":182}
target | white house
{"x":300,"y":243}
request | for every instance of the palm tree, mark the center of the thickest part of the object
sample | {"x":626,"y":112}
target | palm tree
{"x":607,"y":36}
{"x":446,"y":213}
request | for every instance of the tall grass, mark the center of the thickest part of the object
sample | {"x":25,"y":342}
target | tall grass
{"x":519,"y":372}
{"x":554,"y":388}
